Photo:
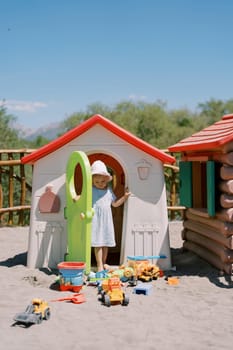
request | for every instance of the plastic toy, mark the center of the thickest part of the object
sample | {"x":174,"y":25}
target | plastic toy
{"x":121,"y":272}
{"x":143,"y":271}
{"x":146,"y":257}
{"x":149,"y":273}
{"x":112,"y":293}
{"x":143,"y":288}
{"x":71,"y":276}
{"x":78,"y":211}
{"x":100,"y":138}
{"x":172,"y":281}
{"x":134,"y":271}
{"x":34,"y":313}
{"x":76,"y":298}
{"x":126,"y":274}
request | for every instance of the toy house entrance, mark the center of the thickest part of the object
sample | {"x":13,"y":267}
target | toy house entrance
{"x":118,"y":186}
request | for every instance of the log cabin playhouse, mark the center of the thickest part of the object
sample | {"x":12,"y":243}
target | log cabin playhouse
{"x":141,"y":225}
{"x":206,"y":189}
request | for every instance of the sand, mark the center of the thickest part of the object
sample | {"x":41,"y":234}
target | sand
{"x":195,"y":314}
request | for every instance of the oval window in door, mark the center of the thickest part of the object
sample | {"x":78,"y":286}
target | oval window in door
{"x":78,"y":179}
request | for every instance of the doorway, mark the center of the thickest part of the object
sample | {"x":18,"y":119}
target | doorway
{"x":118,"y":186}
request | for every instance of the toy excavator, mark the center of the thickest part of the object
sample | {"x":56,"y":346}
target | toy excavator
{"x":34,"y":313}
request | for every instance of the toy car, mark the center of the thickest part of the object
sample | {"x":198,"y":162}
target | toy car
{"x":34,"y":313}
{"x":112,"y":293}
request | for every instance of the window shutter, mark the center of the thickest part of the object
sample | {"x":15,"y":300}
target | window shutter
{"x":186,"y":197}
{"x":210,"y":184}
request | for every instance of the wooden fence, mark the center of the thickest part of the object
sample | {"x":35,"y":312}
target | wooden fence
{"x":16,"y":189}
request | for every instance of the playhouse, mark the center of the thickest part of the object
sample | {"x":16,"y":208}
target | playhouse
{"x":141,"y":225}
{"x":206,"y":189}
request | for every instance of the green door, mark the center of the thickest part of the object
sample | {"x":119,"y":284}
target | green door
{"x":78,"y":211}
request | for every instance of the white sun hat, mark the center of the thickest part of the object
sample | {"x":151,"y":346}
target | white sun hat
{"x":99,"y":168}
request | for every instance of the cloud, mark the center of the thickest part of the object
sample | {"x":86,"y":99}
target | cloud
{"x":23,"y":106}
{"x":137,"y":98}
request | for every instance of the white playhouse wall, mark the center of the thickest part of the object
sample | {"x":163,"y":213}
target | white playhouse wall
{"x":145,"y":225}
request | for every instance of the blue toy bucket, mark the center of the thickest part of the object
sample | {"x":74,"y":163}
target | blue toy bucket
{"x":72,"y":274}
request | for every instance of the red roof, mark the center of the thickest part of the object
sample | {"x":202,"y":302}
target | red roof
{"x":86,"y":125}
{"x":212,"y":137}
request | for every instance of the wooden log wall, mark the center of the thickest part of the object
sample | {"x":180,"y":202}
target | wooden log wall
{"x":212,"y":238}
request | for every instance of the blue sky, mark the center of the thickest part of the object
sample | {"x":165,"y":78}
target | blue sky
{"x":59,"y":56}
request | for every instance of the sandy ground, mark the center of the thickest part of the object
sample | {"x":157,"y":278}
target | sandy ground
{"x":195,"y":314}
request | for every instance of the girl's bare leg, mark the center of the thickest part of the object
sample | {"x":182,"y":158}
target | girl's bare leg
{"x":105,"y":255}
{"x":99,"y":258}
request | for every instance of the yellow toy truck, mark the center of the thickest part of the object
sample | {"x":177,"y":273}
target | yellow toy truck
{"x":34,"y":313}
{"x":112,"y":293}
{"x":142,"y":269}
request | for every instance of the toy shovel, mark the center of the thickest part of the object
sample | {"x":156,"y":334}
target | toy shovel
{"x":77,"y":298}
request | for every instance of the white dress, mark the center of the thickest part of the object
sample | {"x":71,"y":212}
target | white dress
{"x":103,"y":234}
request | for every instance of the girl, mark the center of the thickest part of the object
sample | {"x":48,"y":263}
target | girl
{"x":103,"y":235}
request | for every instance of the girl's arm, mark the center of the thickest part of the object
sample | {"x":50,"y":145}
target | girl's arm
{"x":122,"y":200}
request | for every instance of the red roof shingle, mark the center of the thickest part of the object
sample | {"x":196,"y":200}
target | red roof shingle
{"x":213,"y":136}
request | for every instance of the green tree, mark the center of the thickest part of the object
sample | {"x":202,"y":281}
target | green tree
{"x":152,"y":124}
{"x":9,"y":135}
{"x":38,"y":142}
{"x":127,"y":115}
{"x":182,"y":125}
{"x":98,"y":108}
{"x":73,"y":120}
{"x":212,"y":110}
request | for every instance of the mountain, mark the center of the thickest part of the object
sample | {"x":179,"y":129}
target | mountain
{"x":50,"y":131}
